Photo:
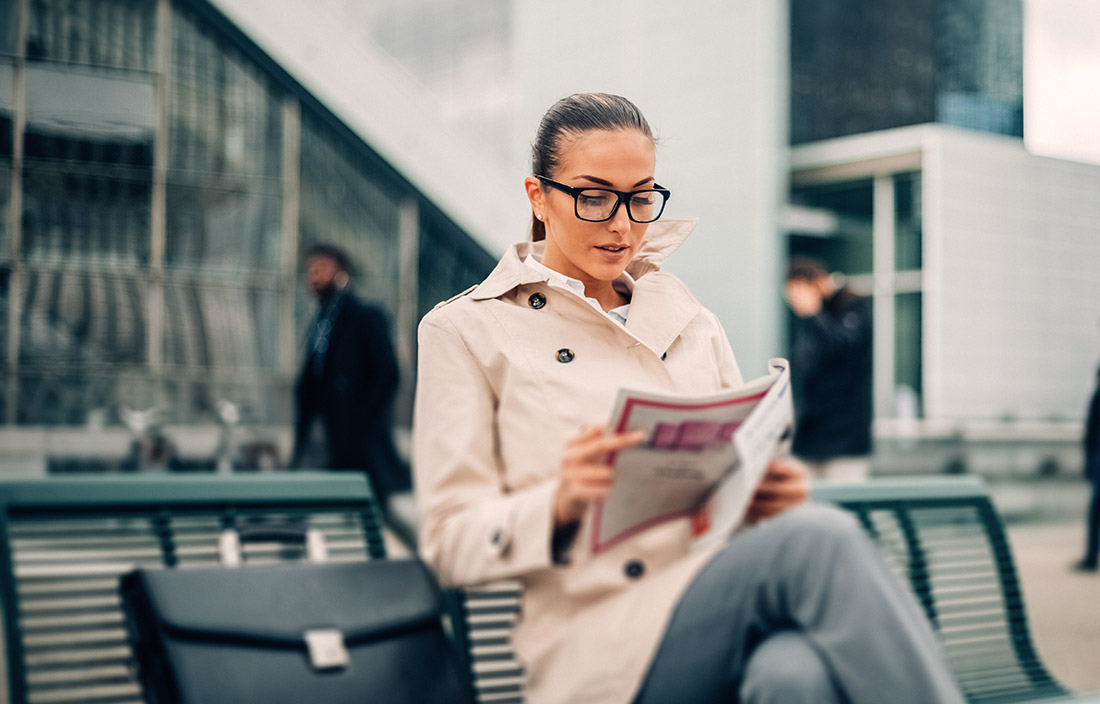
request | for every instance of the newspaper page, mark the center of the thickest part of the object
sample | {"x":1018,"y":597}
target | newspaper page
{"x":701,"y":450}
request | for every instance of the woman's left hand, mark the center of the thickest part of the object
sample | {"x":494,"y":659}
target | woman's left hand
{"x":784,"y":486}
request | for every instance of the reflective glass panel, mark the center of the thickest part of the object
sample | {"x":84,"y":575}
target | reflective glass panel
{"x":224,"y":157}
{"x":907,"y":221}
{"x":449,"y":262}
{"x":78,"y":318}
{"x":908,"y":376}
{"x":6,"y":108}
{"x":8,"y":24}
{"x":218,"y":229}
{"x":5,"y":297}
{"x":847,"y":248}
{"x":5,"y":204}
{"x":87,"y":176}
{"x":224,"y":326}
{"x":118,"y":33}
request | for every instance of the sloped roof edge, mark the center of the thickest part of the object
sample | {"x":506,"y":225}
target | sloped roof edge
{"x":388,"y":109}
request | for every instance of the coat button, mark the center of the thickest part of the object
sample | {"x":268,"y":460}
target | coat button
{"x":634,"y":569}
{"x":536,"y":300}
{"x":565,"y":355}
{"x":664,"y":356}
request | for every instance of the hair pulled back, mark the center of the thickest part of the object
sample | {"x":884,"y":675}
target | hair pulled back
{"x":569,"y":118}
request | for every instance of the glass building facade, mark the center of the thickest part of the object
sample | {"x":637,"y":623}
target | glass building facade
{"x":873,"y":238}
{"x":159,"y":179}
{"x":865,"y":65}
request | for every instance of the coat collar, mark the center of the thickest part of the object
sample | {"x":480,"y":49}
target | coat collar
{"x":661,"y":239}
{"x":661,"y":305}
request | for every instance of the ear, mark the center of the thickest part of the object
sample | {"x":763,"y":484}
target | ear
{"x":535,"y":195}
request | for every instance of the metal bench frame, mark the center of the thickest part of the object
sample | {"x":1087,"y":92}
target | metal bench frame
{"x":52,"y":530}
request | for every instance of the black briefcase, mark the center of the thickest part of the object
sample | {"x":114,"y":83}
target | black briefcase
{"x":292,"y":633}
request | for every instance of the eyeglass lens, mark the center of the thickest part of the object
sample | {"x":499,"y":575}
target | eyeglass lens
{"x":597,"y":204}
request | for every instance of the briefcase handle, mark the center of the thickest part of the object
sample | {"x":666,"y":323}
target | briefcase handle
{"x":231,"y":540}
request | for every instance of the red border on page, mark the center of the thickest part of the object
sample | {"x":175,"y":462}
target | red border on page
{"x":631,"y":403}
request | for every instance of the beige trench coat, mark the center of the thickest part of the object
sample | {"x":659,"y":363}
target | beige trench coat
{"x":494,"y":408}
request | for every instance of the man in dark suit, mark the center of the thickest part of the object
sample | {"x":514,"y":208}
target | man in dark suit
{"x":346,"y":387}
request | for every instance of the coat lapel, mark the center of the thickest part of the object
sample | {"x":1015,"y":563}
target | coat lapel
{"x":661,"y":306}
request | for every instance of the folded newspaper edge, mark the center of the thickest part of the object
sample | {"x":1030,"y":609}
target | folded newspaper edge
{"x":700,"y":451}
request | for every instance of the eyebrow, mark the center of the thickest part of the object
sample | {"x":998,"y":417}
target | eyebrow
{"x":605,"y":182}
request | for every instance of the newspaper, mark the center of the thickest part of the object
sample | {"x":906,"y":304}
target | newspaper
{"x":703,"y":456}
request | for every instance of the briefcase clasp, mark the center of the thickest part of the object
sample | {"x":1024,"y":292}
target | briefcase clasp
{"x":326,"y":648}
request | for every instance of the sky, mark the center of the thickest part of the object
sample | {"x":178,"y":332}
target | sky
{"x":1062,"y":78}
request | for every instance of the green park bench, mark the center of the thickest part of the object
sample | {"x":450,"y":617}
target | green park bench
{"x":64,"y":542}
{"x":942,"y":534}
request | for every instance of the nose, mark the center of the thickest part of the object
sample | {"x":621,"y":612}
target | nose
{"x":620,"y":219}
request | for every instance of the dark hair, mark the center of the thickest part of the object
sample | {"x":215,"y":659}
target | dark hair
{"x":571,"y":117}
{"x":331,"y":251}
{"x":805,"y":269}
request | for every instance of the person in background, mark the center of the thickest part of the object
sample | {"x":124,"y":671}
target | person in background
{"x":516,"y":376}
{"x":1091,"y":560}
{"x":831,"y":373}
{"x":347,"y":383}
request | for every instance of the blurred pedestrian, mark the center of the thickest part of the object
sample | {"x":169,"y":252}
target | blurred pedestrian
{"x":1092,"y":471}
{"x":348,"y":380}
{"x":831,"y":365}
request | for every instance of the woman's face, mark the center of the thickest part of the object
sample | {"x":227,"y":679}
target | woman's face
{"x":594,"y":252}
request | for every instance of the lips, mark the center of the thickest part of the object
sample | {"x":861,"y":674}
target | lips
{"x":614,"y":254}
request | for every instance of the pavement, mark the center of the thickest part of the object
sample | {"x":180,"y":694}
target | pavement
{"x":1063,"y":606}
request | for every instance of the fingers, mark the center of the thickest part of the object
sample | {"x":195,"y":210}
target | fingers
{"x":782,"y":487}
{"x":785,"y":468}
{"x":594,"y":441}
{"x":585,"y":473}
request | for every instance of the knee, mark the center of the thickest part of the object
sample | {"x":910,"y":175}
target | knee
{"x":785,"y":669}
{"x":824,"y":522}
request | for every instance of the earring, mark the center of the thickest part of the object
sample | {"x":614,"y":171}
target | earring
{"x":538,"y":215}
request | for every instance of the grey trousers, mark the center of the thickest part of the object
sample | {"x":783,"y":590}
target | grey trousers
{"x":801,"y":608}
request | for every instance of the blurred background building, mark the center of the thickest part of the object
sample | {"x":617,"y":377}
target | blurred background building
{"x":162,"y":163}
{"x":864,"y":66}
{"x":159,"y":175}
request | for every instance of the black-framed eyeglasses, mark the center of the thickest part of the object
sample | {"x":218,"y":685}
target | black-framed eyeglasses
{"x":601,"y":204}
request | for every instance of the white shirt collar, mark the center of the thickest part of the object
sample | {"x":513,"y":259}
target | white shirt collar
{"x":625,"y":281}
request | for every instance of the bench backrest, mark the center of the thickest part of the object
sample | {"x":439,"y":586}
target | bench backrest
{"x":945,"y":537}
{"x":941,"y":534}
{"x":64,"y":542}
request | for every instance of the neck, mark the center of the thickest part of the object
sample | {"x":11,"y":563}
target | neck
{"x":604,"y":293}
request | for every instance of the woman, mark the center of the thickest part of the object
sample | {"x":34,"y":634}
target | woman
{"x":515,"y":376}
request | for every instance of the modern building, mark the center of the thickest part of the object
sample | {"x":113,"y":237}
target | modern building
{"x":979,"y":259}
{"x":864,"y":65}
{"x":888,"y":102}
{"x":160,"y":174}
{"x":227,"y":137}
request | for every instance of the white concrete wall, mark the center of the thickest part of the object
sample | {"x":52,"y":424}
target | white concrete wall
{"x":711,"y":77}
{"x":1012,"y":280}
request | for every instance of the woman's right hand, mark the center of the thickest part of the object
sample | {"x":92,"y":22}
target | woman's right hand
{"x":585,"y":472}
